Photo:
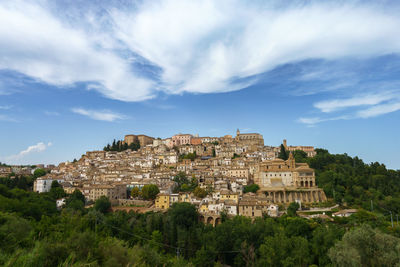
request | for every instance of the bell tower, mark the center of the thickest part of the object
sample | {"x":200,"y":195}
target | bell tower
{"x":291,"y":161}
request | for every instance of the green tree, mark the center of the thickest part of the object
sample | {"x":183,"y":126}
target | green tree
{"x":149,"y":191}
{"x":135,"y":192}
{"x":76,"y":201}
{"x":283,"y":154}
{"x":251,"y":188}
{"x":14,"y":231}
{"x":39,"y":172}
{"x":300,"y":156}
{"x":56,"y":190}
{"x":102,"y":204}
{"x":365,"y":246}
{"x":180,"y":179}
{"x":280,"y":250}
{"x":293,"y":207}
{"x":200,"y":192}
{"x":183,"y":215}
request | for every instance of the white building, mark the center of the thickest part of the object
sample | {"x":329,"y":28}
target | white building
{"x":42,"y":185}
{"x":60,"y":203}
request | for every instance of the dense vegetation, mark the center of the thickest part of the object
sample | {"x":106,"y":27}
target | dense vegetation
{"x":121,"y":146}
{"x":34,"y":233}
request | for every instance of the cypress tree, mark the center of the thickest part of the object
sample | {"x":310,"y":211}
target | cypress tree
{"x":283,"y":154}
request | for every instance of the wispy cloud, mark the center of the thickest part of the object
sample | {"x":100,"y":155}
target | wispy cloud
{"x":362,"y":106}
{"x":312,"y":121}
{"x":379,"y":110}
{"x":363,"y":100}
{"x":194,"y":46}
{"x":61,"y":54}
{"x":101,"y":115}
{"x":39,"y":147}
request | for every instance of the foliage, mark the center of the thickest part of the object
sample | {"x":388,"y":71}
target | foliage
{"x":183,"y":184}
{"x":56,"y":191}
{"x":39,"y":172}
{"x":191,"y":156}
{"x":251,"y":188}
{"x":76,"y":201}
{"x":352,"y":182}
{"x":235,"y":156}
{"x":300,"y":156}
{"x":293,"y":207}
{"x":102,"y":204}
{"x":149,"y":191}
{"x":121,"y":146}
{"x":135,"y":192}
{"x":283,"y":154}
{"x":199,"y":192}
{"x":34,"y":233}
{"x":365,"y":246}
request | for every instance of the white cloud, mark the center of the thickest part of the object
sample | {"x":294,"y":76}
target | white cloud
{"x":365,"y":100}
{"x":203,"y":46}
{"x":101,"y":115}
{"x":36,"y":43}
{"x":378,"y":104}
{"x":312,"y":121}
{"x":379,"y":110}
{"x":39,"y":147}
{"x":199,"y":46}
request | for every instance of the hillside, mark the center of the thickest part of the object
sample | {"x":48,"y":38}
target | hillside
{"x":34,"y":233}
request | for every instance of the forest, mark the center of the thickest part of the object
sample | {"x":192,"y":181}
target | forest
{"x":33,"y":232}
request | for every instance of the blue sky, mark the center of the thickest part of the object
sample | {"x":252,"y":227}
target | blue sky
{"x":74,"y":76}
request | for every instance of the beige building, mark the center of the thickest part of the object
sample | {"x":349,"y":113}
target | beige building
{"x":249,"y":138}
{"x":288,"y":181}
{"x":5,"y":171}
{"x":308,"y":149}
{"x":162,"y":201}
{"x":142,"y":139}
{"x":181,"y":139}
{"x":110,"y":191}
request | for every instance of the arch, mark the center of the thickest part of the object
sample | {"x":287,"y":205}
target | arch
{"x":217,"y":221}
{"x":302,"y":184}
{"x":210,"y":220}
{"x":306,"y":184}
{"x":311,"y":184}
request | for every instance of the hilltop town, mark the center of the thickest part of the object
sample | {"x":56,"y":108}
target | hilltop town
{"x":220,"y":167}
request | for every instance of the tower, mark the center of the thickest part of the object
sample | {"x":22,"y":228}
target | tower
{"x":237,"y":132}
{"x":285,"y":143}
{"x":291,"y":161}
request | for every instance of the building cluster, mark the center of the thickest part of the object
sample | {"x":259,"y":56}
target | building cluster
{"x":6,"y":171}
{"x":222,"y":166}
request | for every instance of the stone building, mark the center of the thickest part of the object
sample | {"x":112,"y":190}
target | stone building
{"x":181,"y":139}
{"x":287,"y":181}
{"x":110,"y":191}
{"x":142,"y":139}
{"x":249,"y":138}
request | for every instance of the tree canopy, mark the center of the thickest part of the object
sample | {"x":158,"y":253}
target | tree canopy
{"x":149,"y":192}
{"x":102,"y":204}
{"x":251,"y":188}
{"x":283,"y":154}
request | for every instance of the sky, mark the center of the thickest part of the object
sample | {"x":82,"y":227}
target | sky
{"x":74,"y":75}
